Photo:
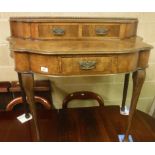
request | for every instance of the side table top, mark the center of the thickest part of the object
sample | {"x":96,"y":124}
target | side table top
{"x":55,"y":47}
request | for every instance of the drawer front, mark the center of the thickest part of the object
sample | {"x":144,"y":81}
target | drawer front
{"x":44,"y":64}
{"x":88,"y":65}
{"x":101,"y":30}
{"x":21,"y":62}
{"x":49,"y":31}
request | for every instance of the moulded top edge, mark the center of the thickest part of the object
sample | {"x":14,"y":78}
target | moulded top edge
{"x":73,"y":19}
{"x":79,"y":47}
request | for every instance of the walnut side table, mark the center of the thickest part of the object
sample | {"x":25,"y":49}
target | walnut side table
{"x":67,"y":46}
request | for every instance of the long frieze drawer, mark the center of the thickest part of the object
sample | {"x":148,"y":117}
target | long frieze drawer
{"x":77,"y":64}
{"x":88,"y":65}
{"x":101,"y":30}
{"x":52,"y":31}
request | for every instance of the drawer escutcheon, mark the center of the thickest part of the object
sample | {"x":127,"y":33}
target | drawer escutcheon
{"x":58,"y":31}
{"x":87,"y":65}
{"x":101,"y":31}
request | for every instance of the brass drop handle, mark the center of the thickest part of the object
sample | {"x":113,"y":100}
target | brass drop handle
{"x":87,"y":65}
{"x":102,"y":31}
{"x":58,"y":31}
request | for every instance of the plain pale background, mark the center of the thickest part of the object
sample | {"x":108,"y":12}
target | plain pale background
{"x":109,"y":87}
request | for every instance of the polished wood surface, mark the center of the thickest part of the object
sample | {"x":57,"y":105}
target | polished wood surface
{"x":19,"y":100}
{"x":82,"y":124}
{"x":73,"y":28}
{"x":111,"y":56}
{"x":73,"y":19}
{"x":70,"y":64}
{"x":66,"y":47}
{"x":78,"y":46}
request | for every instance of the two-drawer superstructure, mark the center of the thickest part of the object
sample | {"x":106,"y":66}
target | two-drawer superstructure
{"x":73,"y":28}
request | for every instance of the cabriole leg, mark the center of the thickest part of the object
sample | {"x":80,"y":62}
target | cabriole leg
{"x":138,"y":80}
{"x":28,"y":86}
{"x":23,"y":96}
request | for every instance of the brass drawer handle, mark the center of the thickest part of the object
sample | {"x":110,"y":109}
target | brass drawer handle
{"x":86,"y":65}
{"x":102,"y":31}
{"x":58,"y":31}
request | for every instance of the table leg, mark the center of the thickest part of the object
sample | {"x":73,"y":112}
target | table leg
{"x":23,"y":96}
{"x":125,"y":90}
{"x":138,"y":80}
{"x":28,"y":85}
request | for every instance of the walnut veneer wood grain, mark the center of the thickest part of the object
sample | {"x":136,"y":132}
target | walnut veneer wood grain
{"x":74,"y":28}
{"x":70,"y":65}
{"x":45,"y":31}
{"x":65,"y":46}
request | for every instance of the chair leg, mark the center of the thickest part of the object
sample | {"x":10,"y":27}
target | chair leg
{"x":19,"y":100}
{"x":82,"y":95}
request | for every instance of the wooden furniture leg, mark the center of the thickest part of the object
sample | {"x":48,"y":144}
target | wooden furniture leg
{"x":125,"y":90}
{"x":138,"y":80}
{"x":28,"y":85}
{"x":23,"y":96}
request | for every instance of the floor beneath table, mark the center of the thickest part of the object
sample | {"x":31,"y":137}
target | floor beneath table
{"x":80,"y":124}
